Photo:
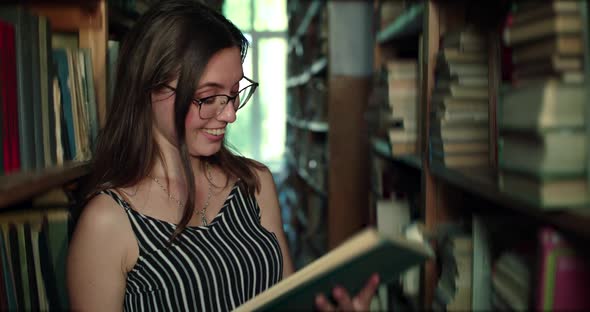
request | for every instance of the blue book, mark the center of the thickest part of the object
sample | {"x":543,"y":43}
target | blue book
{"x":61,"y":61}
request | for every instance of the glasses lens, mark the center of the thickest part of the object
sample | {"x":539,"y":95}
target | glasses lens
{"x":211,"y":106}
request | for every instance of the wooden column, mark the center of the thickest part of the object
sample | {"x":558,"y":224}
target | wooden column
{"x":350,"y":68}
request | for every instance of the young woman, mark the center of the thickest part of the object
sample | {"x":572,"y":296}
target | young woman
{"x":177,"y":222}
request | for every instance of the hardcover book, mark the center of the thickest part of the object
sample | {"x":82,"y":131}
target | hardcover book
{"x":348,"y":265}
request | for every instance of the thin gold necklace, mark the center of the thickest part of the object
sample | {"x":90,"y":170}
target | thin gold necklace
{"x":203,"y":211}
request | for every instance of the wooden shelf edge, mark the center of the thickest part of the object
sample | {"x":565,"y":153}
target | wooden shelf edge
{"x":570,"y":221}
{"x":303,"y":78}
{"x":409,"y":23}
{"x":314,"y":126}
{"x":21,"y":186}
{"x":381,"y":148}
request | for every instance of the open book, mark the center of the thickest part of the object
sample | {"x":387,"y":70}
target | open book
{"x":349,"y":265}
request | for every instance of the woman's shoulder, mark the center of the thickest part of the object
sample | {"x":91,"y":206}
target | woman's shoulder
{"x":103,"y":213}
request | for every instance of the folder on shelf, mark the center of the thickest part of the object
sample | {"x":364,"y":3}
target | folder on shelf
{"x":348,"y":265}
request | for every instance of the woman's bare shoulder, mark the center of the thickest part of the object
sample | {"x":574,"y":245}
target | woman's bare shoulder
{"x":102,"y":215}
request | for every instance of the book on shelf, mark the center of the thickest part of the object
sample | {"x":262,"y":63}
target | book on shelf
{"x":34,"y":247}
{"x":543,"y":104}
{"x":21,"y":21}
{"x":563,"y":274}
{"x":348,"y":265}
{"x":9,"y":94}
{"x":456,"y":55}
{"x":533,"y":11}
{"x":460,"y":92}
{"x":552,"y":153}
{"x":459,"y":131}
{"x":512,"y":279}
{"x":482,"y":264}
{"x":443,"y":82}
{"x":459,"y":146}
{"x":555,"y":25}
{"x":543,"y":49}
{"x":465,"y":39}
{"x":460,"y":160}
{"x":548,"y":193}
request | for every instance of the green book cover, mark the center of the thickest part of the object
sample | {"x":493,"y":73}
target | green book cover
{"x":349,"y":265}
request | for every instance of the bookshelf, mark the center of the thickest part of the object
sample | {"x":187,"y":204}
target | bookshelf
{"x":307,"y":124}
{"x":451,"y":194}
{"x":92,"y":21}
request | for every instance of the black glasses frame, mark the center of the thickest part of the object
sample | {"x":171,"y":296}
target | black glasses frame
{"x":199,"y":102}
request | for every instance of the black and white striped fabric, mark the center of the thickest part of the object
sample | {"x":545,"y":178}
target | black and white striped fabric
{"x":211,"y":268}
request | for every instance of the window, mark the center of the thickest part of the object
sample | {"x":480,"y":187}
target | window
{"x":259,"y":132}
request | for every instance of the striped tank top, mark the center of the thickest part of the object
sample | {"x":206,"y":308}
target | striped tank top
{"x":211,"y":268}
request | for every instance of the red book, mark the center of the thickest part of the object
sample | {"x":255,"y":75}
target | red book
{"x":564,"y":275}
{"x":8,"y":92}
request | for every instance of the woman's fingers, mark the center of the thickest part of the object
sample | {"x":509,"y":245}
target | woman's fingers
{"x":323,"y":304}
{"x":342,"y":298}
{"x":363,"y":299}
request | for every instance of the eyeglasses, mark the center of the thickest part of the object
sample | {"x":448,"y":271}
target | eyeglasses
{"x":213,"y":105}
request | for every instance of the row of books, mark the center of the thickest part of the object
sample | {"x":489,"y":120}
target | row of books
{"x":49,"y":111}
{"x":553,"y":276}
{"x":33,"y":250}
{"x":402,"y":96}
{"x":542,"y":120}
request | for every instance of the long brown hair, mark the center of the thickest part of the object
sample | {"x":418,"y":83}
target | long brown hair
{"x":173,"y":40}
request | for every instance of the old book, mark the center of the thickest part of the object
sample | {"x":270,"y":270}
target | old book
{"x":543,"y":105}
{"x":63,"y":73}
{"x":46,"y":74}
{"x":458,"y":91}
{"x":541,"y":10}
{"x":563,"y":274}
{"x":548,"y":194}
{"x":561,"y":45}
{"x":455,"y":55}
{"x":461,"y":160}
{"x":459,"y":147}
{"x":466,"y":39}
{"x":554,"y":65}
{"x":542,"y":154}
{"x":21,"y":21}
{"x":557,"y":25}
{"x":348,"y":265}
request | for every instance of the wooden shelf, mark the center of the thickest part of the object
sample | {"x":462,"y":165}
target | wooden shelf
{"x":484,"y":185}
{"x":21,"y":186}
{"x":313,"y":9}
{"x":314,"y":126}
{"x":408,"y":24}
{"x":304,"y":77}
{"x":381,"y":148}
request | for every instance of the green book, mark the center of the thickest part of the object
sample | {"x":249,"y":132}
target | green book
{"x":349,"y":265}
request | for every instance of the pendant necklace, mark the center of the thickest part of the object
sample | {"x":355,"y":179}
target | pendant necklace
{"x":203,"y":211}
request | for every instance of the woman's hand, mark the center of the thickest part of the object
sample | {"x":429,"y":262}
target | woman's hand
{"x":360,"y":302}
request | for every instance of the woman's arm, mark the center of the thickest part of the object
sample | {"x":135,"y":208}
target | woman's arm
{"x":96,"y":269}
{"x":271,"y":216}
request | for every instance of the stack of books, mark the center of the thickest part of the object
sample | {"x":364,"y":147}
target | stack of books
{"x":402,"y":80}
{"x":541,"y":120}
{"x":459,"y":105}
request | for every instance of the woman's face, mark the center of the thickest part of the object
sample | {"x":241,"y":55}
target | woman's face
{"x":203,"y":136}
